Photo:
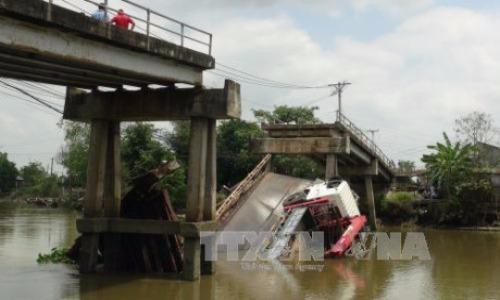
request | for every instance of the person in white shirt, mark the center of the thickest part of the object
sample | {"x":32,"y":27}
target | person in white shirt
{"x":101,"y":14}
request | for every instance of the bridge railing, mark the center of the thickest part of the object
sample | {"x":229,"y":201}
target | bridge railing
{"x":151,"y":23}
{"x":360,"y":134}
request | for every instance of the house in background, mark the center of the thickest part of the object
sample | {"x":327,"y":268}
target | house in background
{"x":19,"y":182}
{"x":490,"y":157}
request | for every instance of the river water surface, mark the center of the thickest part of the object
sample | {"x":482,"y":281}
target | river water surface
{"x":464,"y":265}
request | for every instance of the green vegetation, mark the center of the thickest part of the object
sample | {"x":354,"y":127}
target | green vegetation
{"x":455,"y":170}
{"x":235,"y":159}
{"x":74,"y":155}
{"x":398,"y":207}
{"x":450,"y":165}
{"x":38,"y":182}
{"x":288,"y":115}
{"x":56,"y":256}
{"x":142,"y":151}
{"x":406,"y":166}
{"x":8,"y":174}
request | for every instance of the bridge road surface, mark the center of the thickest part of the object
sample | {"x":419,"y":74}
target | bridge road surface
{"x":260,"y":209}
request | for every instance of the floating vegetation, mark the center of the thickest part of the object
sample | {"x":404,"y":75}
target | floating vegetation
{"x":56,"y":256}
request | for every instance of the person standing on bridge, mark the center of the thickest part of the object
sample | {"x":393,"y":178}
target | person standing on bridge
{"x":101,"y":14}
{"x":122,"y":20}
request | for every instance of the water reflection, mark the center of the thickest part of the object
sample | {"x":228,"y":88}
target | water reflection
{"x":464,"y":265}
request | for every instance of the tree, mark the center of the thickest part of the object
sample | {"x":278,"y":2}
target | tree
{"x":74,"y":155}
{"x":475,"y":128}
{"x":142,"y":151}
{"x":8,"y":174}
{"x":297,"y":166}
{"x":288,"y":115}
{"x":467,"y":190}
{"x":178,"y":140}
{"x":406,"y":166}
{"x":450,"y":164}
{"x":235,"y":158}
{"x":33,"y":174}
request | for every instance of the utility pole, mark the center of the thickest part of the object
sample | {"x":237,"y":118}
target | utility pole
{"x":339,"y":88}
{"x":372,"y":132}
{"x":106,"y":9}
{"x":51,"y":166}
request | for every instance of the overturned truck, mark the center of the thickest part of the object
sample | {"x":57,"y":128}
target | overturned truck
{"x":283,"y":205}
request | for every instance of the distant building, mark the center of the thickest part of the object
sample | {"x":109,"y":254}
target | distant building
{"x":490,"y":157}
{"x":19,"y":182}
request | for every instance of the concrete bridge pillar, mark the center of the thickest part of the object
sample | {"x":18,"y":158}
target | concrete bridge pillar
{"x":201,"y":199}
{"x":332,"y":168}
{"x":370,"y":200}
{"x":95,"y":187}
{"x":112,"y":195}
{"x":105,"y":111}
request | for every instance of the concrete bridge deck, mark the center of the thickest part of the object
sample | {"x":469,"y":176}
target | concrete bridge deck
{"x":355,"y":155}
{"x":59,"y":46}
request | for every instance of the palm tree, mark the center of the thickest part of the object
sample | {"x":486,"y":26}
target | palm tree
{"x":450,"y":164}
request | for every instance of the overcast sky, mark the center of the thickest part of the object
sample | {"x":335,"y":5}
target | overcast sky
{"x":415,"y":65}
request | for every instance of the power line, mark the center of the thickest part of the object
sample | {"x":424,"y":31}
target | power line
{"x":37,"y":105}
{"x":237,"y":72}
{"x":45,"y":89}
{"x":44,"y":103}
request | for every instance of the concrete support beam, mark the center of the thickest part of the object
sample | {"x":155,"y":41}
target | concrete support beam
{"x":209,"y":208}
{"x":370,"y":198}
{"x":96,"y":168}
{"x":386,"y":174}
{"x":322,"y":145}
{"x":370,"y":170}
{"x":94,"y":202}
{"x":359,"y":154}
{"x":332,"y":167}
{"x":112,"y":196}
{"x":196,"y":189}
{"x":154,"y":104}
{"x":142,"y":226}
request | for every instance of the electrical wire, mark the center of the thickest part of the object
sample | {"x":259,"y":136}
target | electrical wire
{"x":44,"y":103}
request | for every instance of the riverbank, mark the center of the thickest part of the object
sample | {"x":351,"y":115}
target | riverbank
{"x":43,"y":202}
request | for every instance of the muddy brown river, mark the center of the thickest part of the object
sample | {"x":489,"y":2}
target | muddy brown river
{"x":463,"y":265}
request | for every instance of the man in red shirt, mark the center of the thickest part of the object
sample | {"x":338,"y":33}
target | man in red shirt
{"x":122,"y":20}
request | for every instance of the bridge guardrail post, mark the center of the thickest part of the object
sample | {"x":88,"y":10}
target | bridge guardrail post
{"x":182,"y":34}
{"x":49,"y":10}
{"x":210,"y":44}
{"x":148,"y":25}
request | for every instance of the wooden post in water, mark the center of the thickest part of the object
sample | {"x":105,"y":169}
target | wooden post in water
{"x":112,"y":196}
{"x":196,"y":189}
{"x":94,"y":201}
{"x":370,"y":198}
